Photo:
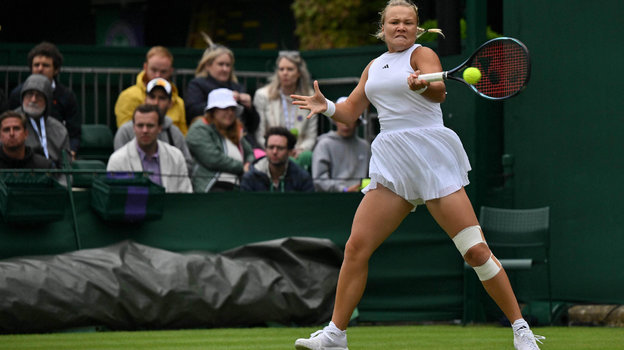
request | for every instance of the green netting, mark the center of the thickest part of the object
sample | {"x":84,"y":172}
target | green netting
{"x":127,"y":198}
{"x":31,"y":198}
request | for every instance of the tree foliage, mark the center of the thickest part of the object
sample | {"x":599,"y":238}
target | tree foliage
{"x":328,"y":24}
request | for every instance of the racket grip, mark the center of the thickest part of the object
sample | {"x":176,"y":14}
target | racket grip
{"x":433,"y":76}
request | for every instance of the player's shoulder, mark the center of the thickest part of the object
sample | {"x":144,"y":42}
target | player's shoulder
{"x":423,"y":51}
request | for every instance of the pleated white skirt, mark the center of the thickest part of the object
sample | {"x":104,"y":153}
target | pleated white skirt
{"x":419,"y":164}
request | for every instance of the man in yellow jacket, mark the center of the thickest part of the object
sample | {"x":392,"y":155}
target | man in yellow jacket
{"x":158,"y":64}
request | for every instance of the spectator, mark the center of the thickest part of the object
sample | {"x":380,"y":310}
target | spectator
{"x":275,"y":107}
{"x":46,"y":136}
{"x":216,"y":142}
{"x":276,"y":172}
{"x":46,"y":59}
{"x":340,"y":159}
{"x":216,"y":70}
{"x":146,"y":153}
{"x":158,"y":64}
{"x":14,"y":154}
{"x":158,"y":92}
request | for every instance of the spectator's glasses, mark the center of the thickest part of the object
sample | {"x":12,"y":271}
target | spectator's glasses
{"x":279,"y":148}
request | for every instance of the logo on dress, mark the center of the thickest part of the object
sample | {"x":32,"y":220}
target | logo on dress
{"x":386,"y":66}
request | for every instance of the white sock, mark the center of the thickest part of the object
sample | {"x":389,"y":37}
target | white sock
{"x":519,"y":324}
{"x":334,"y":329}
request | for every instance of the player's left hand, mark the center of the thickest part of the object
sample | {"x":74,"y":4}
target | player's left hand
{"x":315,"y":103}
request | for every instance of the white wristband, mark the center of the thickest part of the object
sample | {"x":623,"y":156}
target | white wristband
{"x":331,"y":109}
{"x":420,"y":91}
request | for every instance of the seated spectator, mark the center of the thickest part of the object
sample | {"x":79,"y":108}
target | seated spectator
{"x":46,"y":59}
{"x":14,"y":154}
{"x":276,"y":172}
{"x":158,"y":64}
{"x":214,"y":71}
{"x":158,"y":93}
{"x":340,"y":159}
{"x":216,"y":142}
{"x":146,"y":153}
{"x":275,"y":107}
{"x":46,"y":136}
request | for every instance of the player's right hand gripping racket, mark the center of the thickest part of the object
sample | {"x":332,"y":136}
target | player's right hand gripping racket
{"x":505,"y":69}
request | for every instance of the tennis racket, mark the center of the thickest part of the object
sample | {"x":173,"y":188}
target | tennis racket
{"x":505,"y":69}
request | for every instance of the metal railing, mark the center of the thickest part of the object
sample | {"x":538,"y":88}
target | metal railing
{"x":97,"y":88}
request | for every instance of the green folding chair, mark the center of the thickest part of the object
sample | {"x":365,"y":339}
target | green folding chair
{"x":96,"y":142}
{"x":520,"y":239}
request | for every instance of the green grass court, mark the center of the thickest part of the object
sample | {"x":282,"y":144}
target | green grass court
{"x":447,"y":337}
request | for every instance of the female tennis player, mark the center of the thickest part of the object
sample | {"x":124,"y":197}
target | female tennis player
{"x":415,"y":160}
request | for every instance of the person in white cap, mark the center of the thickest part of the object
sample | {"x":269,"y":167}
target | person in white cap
{"x":146,"y":153}
{"x":217,"y":144}
{"x":159,"y":92}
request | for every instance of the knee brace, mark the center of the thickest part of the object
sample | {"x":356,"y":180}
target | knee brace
{"x":488,"y":270}
{"x":468,"y":238}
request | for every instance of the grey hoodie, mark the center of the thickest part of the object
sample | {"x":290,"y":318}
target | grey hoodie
{"x":56,"y":136}
{"x":339,"y":162}
{"x":41,"y":83}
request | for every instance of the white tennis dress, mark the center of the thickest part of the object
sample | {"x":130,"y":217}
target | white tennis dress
{"x":414,"y":155}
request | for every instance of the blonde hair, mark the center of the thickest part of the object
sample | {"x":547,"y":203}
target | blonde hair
{"x":407,"y":3}
{"x":159,"y":51}
{"x":210,"y":54}
{"x":304,"y":85}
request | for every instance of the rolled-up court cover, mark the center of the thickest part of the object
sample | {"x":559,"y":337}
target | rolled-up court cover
{"x":130,"y":286}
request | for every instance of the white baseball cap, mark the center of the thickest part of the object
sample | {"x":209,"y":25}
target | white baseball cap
{"x":161,"y":83}
{"x":222,"y":98}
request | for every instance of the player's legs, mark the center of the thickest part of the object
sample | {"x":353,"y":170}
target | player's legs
{"x":378,"y":215}
{"x":454,"y":213}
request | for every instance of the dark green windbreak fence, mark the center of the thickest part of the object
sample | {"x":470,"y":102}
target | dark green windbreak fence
{"x":417,"y":275}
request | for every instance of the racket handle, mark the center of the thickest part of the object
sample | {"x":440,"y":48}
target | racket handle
{"x":430,"y":77}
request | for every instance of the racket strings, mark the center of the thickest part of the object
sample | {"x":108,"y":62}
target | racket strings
{"x":505,"y":69}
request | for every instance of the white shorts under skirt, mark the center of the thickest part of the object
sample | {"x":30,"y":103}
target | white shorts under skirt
{"x":419,"y":164}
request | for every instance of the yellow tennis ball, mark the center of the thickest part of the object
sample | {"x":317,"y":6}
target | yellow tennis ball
{"x":472,"y":75}
{"x":365,"y":182}
{"x":294,"y":131}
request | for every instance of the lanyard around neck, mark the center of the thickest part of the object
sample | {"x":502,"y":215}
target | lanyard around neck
{"x":288,"y":118}
{"x":41,"y":134}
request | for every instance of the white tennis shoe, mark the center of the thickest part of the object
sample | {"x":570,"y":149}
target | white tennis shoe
{"x":524,"y":339}
{"x":323,"y":339}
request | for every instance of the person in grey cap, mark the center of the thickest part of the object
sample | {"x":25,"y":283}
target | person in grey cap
{"x":46,"y":135}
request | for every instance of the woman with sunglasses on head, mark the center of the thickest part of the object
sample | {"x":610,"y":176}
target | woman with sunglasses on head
{"x":274,"y":104}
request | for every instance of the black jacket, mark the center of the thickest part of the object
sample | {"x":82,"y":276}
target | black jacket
{"x":295,"y":180}
{"x":31,"y":161}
